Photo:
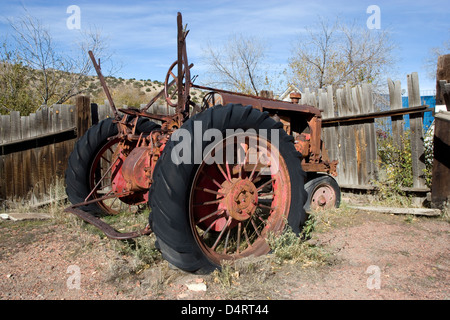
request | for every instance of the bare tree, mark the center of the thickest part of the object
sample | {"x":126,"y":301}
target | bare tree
{"x":55,"y":76}
{"x":432,"y":59}
{"x":238,"y":65}
{"x":338,"y":54}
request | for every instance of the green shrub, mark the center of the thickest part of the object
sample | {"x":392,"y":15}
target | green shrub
{"x":395,"y":165}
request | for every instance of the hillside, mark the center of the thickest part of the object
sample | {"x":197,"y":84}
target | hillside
{"x":130,"y":92}
{"x":25,"y":89}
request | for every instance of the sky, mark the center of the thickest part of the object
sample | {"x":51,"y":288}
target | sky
{"x":142,"y":34}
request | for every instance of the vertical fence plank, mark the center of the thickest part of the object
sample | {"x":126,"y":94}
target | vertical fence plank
{"x":341,"y":168}
{"x":6,"y":125}
{"x":83,"y":107}
{"x":26,"y":154}
{"x":9,"y":176}
{"x":15,"y":126}
{"x":54,"y":118}
{"x":371,"y":139}
{"x":395,"y":98}
{"x":40,"y":129}
{"x":359,"y":131}
{"x":16,"y":133}
{"x":2,"y":128}
{"x":2,"y":180}
{"x":36,"y":176}
{"x":65,"y":117}
{"x":330,"y":134}
{"x":349,"y":109}
{"x":24,"y":127}
{"x":101,"y":112}
{"x":45,"y":115}
{"x":32,"y":124}
{"x":440,"y":191}
{"x":416,"y":125}
{"x":2,"y":164}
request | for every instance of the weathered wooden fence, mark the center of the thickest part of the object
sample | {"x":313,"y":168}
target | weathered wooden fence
{"x":349,"y":130}
{"x":34,"y":149}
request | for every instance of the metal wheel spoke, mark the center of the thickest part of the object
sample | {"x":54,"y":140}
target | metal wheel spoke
{"x":266,"y":194}
{"x":105,"y":159}
{"x":238,"y":241}
{"x":264,"y":184}
{"x":254,"y":168}
{"x":264,"y":206}
{"x":207,"y":203}
{"x":247,"y":238}
{"x":255,"y":227}
{"x":209,"y":228}
{"x":228,"y":170}
{"x":209,"y":191}
{"x":221,"y":234}
{"x":212,"y":179}
{"x":226,"y":242}
{"x":223,"y":172}
{"x":261,"y":219}
{"x":217,"y":212}
{"x":174,"y":76}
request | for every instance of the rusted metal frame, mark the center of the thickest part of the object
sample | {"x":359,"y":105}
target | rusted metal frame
{"x":269,"y":105}
{"x":187,"y":76}
{"x":182,"y":61}
{"x":106,"y":197}
{"x":107,"y":229}
{"x":381,"y":114}
{"x":315,"y":126}
{"x":260,"y":103}
{"x":180,"y":45}
{"x":103,"y":83}
{"x":320,"y":167}
{"x":160,"y":94}
{"x":233,"y":93}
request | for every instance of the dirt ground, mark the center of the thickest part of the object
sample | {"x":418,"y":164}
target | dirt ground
{"x":364,"y":256}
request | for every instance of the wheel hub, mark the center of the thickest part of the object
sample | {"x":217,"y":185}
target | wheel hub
{"x":324,"y":197}
{"x":241,"y":198}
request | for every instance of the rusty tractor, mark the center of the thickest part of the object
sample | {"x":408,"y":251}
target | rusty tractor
{"x":219,"y":177}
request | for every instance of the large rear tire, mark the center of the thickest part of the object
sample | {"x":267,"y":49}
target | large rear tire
{"x":206,"y":211}
{"x":92,"y":152}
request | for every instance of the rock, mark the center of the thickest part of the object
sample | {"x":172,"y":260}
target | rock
{"x":15,"y":216}
{"x":196,"y":286}
{"x":4,"y":216}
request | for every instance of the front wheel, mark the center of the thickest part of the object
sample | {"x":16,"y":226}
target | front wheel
{"x":323,"y":193}
{"x":246,"y":185}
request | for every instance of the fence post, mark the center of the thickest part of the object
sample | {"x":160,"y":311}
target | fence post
{"x":368,"y":105}
{"x":440,"y":189}
{"x":443,"y":73}
{"x":395,"y":101}
{"x":416,"y":125}
{"x":83,"y":106}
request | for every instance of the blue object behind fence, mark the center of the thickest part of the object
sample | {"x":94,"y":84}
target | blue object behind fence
{"x":427,"y":117}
